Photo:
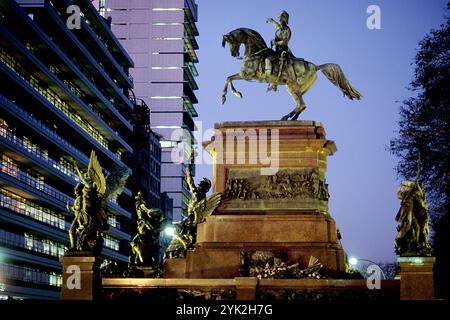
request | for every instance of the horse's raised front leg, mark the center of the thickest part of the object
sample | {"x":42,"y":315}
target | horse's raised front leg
{"x":235,"y":92}
{"x":300,"y":104}
{"x":229,"y":81}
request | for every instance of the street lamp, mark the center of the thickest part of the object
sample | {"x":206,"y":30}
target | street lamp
{"x":354,"y":261}
{"x":169,"y":231}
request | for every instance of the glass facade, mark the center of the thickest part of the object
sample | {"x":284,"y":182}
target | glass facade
{"x":32,"y":242}
{"x":33,"y":275}
{"x":161,"y":38}
{"x":63,"y":166}
{"x":18,"y":204}
{"x":31,"y":178}
{"x":52,"y":97}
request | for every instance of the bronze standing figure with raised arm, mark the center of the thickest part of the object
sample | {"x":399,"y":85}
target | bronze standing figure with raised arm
{"x":199,"y":208}
{"x":281,"y":42}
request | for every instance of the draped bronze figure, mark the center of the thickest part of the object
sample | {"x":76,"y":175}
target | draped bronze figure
{"x":412,"y":237}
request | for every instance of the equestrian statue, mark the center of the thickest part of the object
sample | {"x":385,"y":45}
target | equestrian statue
{"x":280,"y":66}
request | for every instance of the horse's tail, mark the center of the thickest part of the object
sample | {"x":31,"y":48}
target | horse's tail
{"x":335,"y":74}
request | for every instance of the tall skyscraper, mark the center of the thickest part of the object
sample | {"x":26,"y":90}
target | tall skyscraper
{"x":63,"y":92}
{"x":160,"y":36}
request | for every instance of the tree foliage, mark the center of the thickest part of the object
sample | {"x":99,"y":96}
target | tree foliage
{"x":424,"y":119}
{"x":424,"y":129}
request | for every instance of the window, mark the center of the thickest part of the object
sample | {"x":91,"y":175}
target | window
{"x":166,"y":38}
{"x":167,"y":9}
{"x":25,"y":207}
{"x":28,"y":274}
{"x":110,"y":242}
{"x":166,"y":68}
{"x":46,"y":246}
{"x":32,"y":178}
{"x":168,"y":144}
{"x":53,"y":98}
{"x":167,"y":24}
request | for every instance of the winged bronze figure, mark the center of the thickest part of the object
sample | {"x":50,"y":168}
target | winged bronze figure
{"x":90,"y":207}
{"x":200,"y":207}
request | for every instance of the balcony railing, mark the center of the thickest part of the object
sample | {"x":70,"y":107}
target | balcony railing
{"x":53,"y":98}
{"x":32,"y":243}
{"x":27,"y":274}
{"x":32,"y":121}
{"x":27,"y":208}
{"x":34,"y":182}
{"x":37,"y":153}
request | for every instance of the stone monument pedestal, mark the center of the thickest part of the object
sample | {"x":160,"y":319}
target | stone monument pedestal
{"x":416,"y":278}
{"x":149,"y":272}
{"x":274,"y":198}
{"x":81,"y":277}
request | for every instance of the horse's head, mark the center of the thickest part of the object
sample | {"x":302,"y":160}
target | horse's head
{"x":232,"y":43}
{"x":251,"y":39}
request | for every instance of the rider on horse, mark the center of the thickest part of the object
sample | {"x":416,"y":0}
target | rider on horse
{"x":281,"y":41}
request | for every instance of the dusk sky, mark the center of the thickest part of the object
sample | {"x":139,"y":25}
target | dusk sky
{"x":362,"y":179}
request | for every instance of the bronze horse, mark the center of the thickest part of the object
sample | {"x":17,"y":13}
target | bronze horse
{"x":297,"y":74}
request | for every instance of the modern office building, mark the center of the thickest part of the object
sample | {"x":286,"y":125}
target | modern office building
{"x":63,"y":93}
{"x":146,"y":156}
{"x":160,"y":36}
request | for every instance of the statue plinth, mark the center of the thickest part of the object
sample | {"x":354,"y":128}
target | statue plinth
{"x":254,"y":152}
{"x":416,"y":278}
{"x":148,"y":271}
{"x":274,"y":198}
{"x":81,"y":277}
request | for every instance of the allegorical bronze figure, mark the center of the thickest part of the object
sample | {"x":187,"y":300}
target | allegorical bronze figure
{"x":145,"y":245}
{"x":280,"y":67}
{"x":200,"y":207}
{"x":91,"y":213}
{"x":412,"y":237}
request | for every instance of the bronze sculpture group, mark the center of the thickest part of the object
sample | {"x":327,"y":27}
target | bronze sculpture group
{"x":200,"y":207}
{"x":274,"y":66}
{"x":280,"y":66}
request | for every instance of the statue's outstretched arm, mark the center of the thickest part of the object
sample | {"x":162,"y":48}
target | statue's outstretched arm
{"x":189,"y":177}
{"x":274,"y":23}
